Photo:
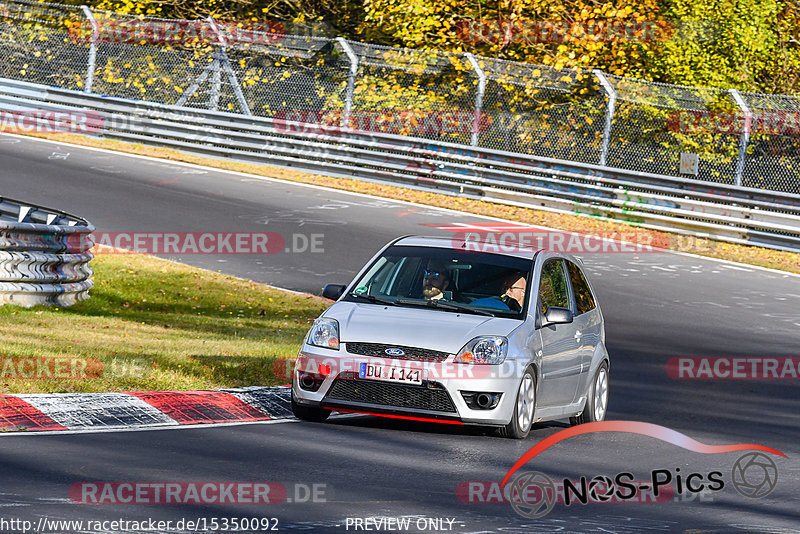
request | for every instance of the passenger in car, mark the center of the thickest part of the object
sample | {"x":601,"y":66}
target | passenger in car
{"x":513,"y":295}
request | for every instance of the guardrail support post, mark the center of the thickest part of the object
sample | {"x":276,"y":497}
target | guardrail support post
{"x":351,"y":80}
{"x":612,"y":102}
{"x":744,"y":139}
{"x":87,"y":86}
{"x":476,"y":122}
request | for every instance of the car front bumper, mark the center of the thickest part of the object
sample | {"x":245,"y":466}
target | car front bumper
{"x":439,"y":398}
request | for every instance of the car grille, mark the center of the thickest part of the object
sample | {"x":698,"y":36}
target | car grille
{"x":411,"y":353}
{"x":429,"y":396}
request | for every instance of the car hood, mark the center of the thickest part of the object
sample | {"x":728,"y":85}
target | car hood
{"x":414,"y":327}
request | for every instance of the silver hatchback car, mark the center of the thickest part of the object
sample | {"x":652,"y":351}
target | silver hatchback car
{"x":433,"y":329}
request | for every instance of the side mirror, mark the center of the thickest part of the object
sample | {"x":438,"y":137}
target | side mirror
{"x":557,"y":315}
{"x":334,"y":291}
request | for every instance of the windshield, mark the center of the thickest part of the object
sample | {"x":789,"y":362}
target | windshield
{"x":446,"y":279}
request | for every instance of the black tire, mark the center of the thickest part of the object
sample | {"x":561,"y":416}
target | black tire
{"x":309,"y":413}
{"x":589,"y":413}
{"x":520,"y":426}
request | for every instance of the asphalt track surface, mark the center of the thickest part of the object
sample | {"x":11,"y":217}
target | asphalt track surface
{"x":656,"y":306}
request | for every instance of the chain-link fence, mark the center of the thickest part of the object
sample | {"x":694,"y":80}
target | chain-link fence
{"x":35,"y":44}
{"x":712,"y":135}
{"x":773,"y":150}
{"x":655,"y":123}
{"x":424,"y":94}
{"x":543,"y":111}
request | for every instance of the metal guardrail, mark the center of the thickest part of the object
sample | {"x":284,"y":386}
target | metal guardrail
{"x":44,"y":255}
{"x":724,"y":212}
{"x":703,"y":134}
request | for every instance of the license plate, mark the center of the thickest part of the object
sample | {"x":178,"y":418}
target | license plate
{"x":390,"y":373}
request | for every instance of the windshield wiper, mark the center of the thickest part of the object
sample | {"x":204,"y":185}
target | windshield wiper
{"x":444,"y":306}
{"x":373,"y":299}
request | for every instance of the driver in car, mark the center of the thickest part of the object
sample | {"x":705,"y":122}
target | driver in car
{"x":436,"y":281}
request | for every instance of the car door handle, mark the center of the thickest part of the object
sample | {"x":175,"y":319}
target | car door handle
{"x":578,"y":335}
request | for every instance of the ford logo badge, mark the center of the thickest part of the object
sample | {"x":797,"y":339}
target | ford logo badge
{"x":394,"y":352}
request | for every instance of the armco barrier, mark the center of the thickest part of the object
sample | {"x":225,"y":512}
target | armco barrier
{"x":719,"y":211}
{"x":44,"y":255}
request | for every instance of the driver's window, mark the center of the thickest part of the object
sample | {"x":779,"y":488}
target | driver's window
{"x":553,"y":289}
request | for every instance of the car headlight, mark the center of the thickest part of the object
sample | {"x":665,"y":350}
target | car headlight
{"x":484,"y":350}
{"x":324,"y":333}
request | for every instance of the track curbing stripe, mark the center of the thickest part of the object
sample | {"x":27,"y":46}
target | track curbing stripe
{"x":84,"y":412}
{"x":17,"y":415}
{"x":194,"y":407}
{"x":76,"y":411}
{"x":275,"y":402}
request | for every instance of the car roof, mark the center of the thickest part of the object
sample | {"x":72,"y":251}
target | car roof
{"x":482,"y":244}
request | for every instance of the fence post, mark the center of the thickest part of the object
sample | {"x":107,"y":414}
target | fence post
{"x":219,"y":63}
{"x":234,"y":81}
{"x":612,"y":102}
{"x":351,"y":80}
{"x":476,"y":122}
{"x":216,"y":67}
{"x":216,"y":80}
{"x":92,"y":48}
{"x":192,"y":88}
{"x":744,"y":139}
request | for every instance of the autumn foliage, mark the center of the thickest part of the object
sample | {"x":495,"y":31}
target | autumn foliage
{"x":751,"y":45}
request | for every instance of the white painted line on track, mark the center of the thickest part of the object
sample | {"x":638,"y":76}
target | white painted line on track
{"x":108,"y":430}
{"x":738,"y":268}
{"x":162,"y":427}
{"x":366,"y":195}
{"x":89,"y":430}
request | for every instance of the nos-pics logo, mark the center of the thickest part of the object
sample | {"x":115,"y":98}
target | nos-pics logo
{"x":533,"y":494}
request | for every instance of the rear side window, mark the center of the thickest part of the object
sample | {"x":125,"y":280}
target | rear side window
{"x":553,"y":289}
{"x":584,"y":300}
